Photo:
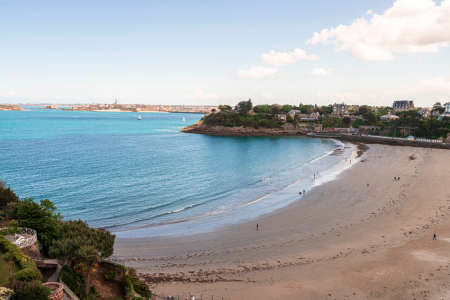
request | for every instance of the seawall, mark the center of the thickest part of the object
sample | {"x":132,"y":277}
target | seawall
{"x":393,"y":142}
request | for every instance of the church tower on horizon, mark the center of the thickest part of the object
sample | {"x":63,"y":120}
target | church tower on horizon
{"x":116,"y":101}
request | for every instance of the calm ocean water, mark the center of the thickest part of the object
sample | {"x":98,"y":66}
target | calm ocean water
{"x":127,"y":173}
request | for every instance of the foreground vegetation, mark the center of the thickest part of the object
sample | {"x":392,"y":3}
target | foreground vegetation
{"x":66,"y":240}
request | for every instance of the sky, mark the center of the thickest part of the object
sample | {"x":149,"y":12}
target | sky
{"x":222,"y":52}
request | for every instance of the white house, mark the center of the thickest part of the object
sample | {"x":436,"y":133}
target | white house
{"x":389,"y":117}
{"x":446,"y":112}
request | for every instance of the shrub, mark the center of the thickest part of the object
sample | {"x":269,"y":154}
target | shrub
{"x":30,"y":291}
{"x":73,"y":280}
{"x":27,"y":275}
{"x":141,"y":287}
{"x":110,"y":275}
{"x":128,"y":286}
{"x":94,"y":294}
{"x":28,"y":270}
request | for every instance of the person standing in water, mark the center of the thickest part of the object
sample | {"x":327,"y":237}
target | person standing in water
{"x":257,"y":226}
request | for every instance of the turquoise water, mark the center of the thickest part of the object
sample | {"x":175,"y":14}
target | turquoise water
{"x":125,"y":173}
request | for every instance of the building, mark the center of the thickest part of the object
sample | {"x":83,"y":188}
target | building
{"x":280,"y":117}
{"x":389,"y":117}
{"x":293,"y":112}
{"x":116,"y":102}
{"x":446,"y":112}
{"x":425,"y":112}
{"x":402,"y":105}
{"x":339,"y":109}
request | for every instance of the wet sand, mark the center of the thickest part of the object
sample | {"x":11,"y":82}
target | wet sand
{"x":344,"y":240}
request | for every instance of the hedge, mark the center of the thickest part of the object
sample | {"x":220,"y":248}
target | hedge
{"x":28,"y":270}
{"x":128,"y":286}
{"x":30,"y":291}
{"x":74,"y":281}
{"x":141,"y":287}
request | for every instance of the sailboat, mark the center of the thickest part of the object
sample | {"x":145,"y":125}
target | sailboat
{"x":184,"y":120}
{"x":139,"y":118}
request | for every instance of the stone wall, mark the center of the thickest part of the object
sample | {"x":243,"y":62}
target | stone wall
{"x":393,"y":142}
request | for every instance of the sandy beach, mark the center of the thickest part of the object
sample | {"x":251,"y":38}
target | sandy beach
{"x":344,"y":240}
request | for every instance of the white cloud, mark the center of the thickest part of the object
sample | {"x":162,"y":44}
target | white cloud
{"x":321,"y":72}
{"x":369,"y":12}
{"x":419,"y":60}
{"x":267,"y":96}
{"x":284,"y":58}
{"x":10,"y":94}
{"x":257,"y":73}
{"x":413,"y":26}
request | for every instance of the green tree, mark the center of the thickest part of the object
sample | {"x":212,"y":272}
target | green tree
{"x":347,"y":121}
{"x":264,"y":108}
{"x":73,"y":235}
{"x":370,"y":118}
{"x":244,"y":107}
{"x":438,"y":107}
{"x":42,"y":217}
{"x":225,"y":108}
{"x":9,"y":259}
{"x":275,"y":110}
{"x":286,"y":108}
{"x":7,"y":195}
{"x":364,"y":110}
{"x":86,"y":261}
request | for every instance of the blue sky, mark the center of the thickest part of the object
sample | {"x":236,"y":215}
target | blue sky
{"x":211,"y":52}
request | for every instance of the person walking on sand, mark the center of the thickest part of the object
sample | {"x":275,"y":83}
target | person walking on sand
{"x":257,"y":226}
{"x":367,"y":185}
{"x":434,"y":237}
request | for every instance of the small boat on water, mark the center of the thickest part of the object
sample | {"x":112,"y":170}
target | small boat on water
{"x":139,"y":118}
{"x":184,"y":120}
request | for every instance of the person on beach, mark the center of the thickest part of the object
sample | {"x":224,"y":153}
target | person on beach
{"x":257,"y":226}
{"x":434,"y":237}
{"x":304,"y":192}
{"x":314,"y":176}
{"x":367,"y":185}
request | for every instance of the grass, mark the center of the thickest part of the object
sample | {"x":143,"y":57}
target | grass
{"x":4,"y":272}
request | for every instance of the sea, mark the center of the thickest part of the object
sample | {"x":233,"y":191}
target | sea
{"x":120,"y":173}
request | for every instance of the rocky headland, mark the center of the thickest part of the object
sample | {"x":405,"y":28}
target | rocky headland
{"x":200,"y":128}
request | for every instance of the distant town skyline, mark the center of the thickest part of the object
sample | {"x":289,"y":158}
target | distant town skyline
{"x":211,"y":53}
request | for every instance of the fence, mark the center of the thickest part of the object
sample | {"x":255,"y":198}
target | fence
{"x":25,"y":241}
{"x":68,"y":291}
{"x":191,"y":297}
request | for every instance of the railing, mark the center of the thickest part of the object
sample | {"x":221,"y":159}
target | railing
{"x":68,"y":291}
{"x":23,"y":242}
{"x":190,"y":297}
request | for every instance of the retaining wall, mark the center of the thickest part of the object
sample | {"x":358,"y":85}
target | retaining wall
{"x":393,"y":142}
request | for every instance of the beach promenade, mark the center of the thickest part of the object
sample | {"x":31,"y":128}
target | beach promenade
{"x":344,"y":240}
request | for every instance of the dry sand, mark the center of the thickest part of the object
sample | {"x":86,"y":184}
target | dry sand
{"x":343,"y":241}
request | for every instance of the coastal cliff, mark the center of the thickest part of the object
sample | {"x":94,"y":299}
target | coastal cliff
{"x":200,"y":128}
